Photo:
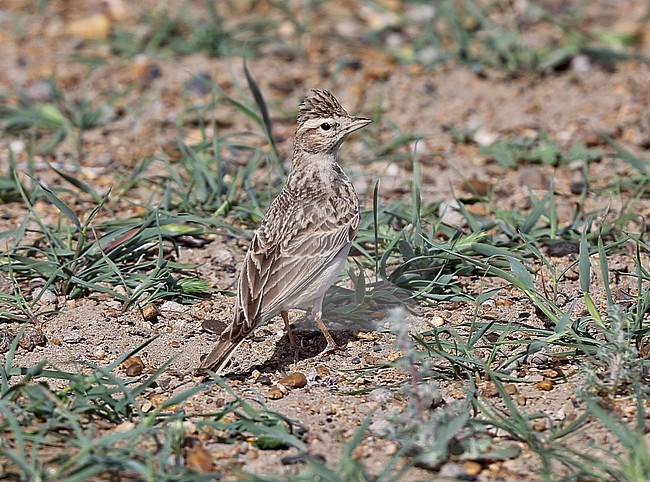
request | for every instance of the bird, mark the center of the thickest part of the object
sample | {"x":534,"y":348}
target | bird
{"x":303,"y":241}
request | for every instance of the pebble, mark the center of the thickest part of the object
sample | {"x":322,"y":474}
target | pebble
{"x":472,"y":468}
{"x":5,"y":340}
{"x":380,"y":427}
{"x":449,"y":213}
{"x":539,"y":426}
{"x":150,"y":312}
{"x":174,"y":307}
{"x":214,"y":326}
{"x":485,"y":138}
{"x":580,"y":64}
{"x":538,"y":358}
{"x":190,"y":428}
{"x":32,"y":337}
{"x":420,"y":13}
{"x":113,"y":304}
{"x":510,"y":389}
{"x":478,"y":187}
{"x":157,"y":399}
{"x":39,"y":91}
{"x":95,"y":27}
{"x":133,"y":366}
{"x":361,"y":452}
{"x":544,"y":385}
{"x":263,"y":380}
{"x":199,"y":83}
{"x":322,"y":371}
{"x":437,"y":321}
{"x":576,"y":187}
{"x":301,"y":459}
{"x":377,"y":19}
{"x":199,"y":459}
{"x":381,"y":395}
{"x":275,"y":393}
{"x":294,"y":380}
{"x":144,"y":70}
{"x":492,"y":469}
{"x":366,"y":335}
{"x":559,"y":414}
{"x":124,"y":427}
{"x":451,"y":470}
{"x":17,"y":146}
{"x":490,"y":390}
{"x":47,"y":297}
{"x":72,"y":336}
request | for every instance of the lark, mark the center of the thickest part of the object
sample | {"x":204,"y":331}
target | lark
{"x":301,"y":245}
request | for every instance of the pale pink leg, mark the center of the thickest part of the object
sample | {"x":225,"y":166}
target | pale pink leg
{"x":317,"y":311}
{"x":292,"y":338}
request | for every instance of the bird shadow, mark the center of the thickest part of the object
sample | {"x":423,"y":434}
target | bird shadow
{"x":345,"y":313}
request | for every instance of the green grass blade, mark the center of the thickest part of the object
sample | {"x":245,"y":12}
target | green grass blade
{"x":61,"y":206}
{"x":584,"y":267}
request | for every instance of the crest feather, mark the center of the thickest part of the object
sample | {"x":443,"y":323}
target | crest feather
{"x":318,"y":104}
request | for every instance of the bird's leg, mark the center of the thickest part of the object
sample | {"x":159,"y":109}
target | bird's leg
{"x":331,"y":344}
{"x":292,"y":338}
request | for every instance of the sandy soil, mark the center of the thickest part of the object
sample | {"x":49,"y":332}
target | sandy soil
{"x":572,"y":105}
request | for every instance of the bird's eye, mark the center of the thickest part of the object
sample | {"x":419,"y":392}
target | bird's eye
{"x":326,"y":126}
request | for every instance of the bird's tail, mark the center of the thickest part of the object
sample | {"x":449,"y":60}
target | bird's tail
{"x":221,"y":354}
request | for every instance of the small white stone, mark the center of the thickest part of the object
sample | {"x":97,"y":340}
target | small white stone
{"x":381,"y":395}
{"x":581,"y":64}
{"x":437,"y":321}
{"x":380,"y":427}
{"x":47,"y":297}
{"x":421,"y":13}
{"x":394,"y":40}
{"x":17,"y":146}
{"x":189,"y":427}
{"x":449,"y":213}
{"x":427,"y":54}
{"x":483,"y":137}
{"x":72,"y":336}
{"x":559,"y":415}
{"x":125,"y":427}
{"x":174,"y":307}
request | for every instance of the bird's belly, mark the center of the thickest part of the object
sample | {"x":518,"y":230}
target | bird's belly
{"x":319,"y":286}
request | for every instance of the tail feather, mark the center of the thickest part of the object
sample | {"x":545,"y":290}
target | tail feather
{"x":221,"y":354}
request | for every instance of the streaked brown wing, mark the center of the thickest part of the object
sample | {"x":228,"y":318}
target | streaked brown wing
{"x":276,"y":273}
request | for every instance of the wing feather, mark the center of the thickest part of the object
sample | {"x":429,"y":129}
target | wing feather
{"x":292,"y":247}
{"x":279,"y":269}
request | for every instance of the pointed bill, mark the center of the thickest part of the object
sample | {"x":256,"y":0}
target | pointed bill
{"x":357,"y":123}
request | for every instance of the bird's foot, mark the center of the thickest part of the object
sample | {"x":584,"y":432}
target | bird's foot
{"x":293,"y":342}
{"x":329,"y":349}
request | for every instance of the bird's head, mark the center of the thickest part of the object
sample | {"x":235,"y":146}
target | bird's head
{"x":323,"y":124}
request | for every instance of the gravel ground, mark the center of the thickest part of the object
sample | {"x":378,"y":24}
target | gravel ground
{"x":575,"y":104}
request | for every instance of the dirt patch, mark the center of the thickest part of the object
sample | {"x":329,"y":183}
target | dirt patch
{"x":150,"y":100}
